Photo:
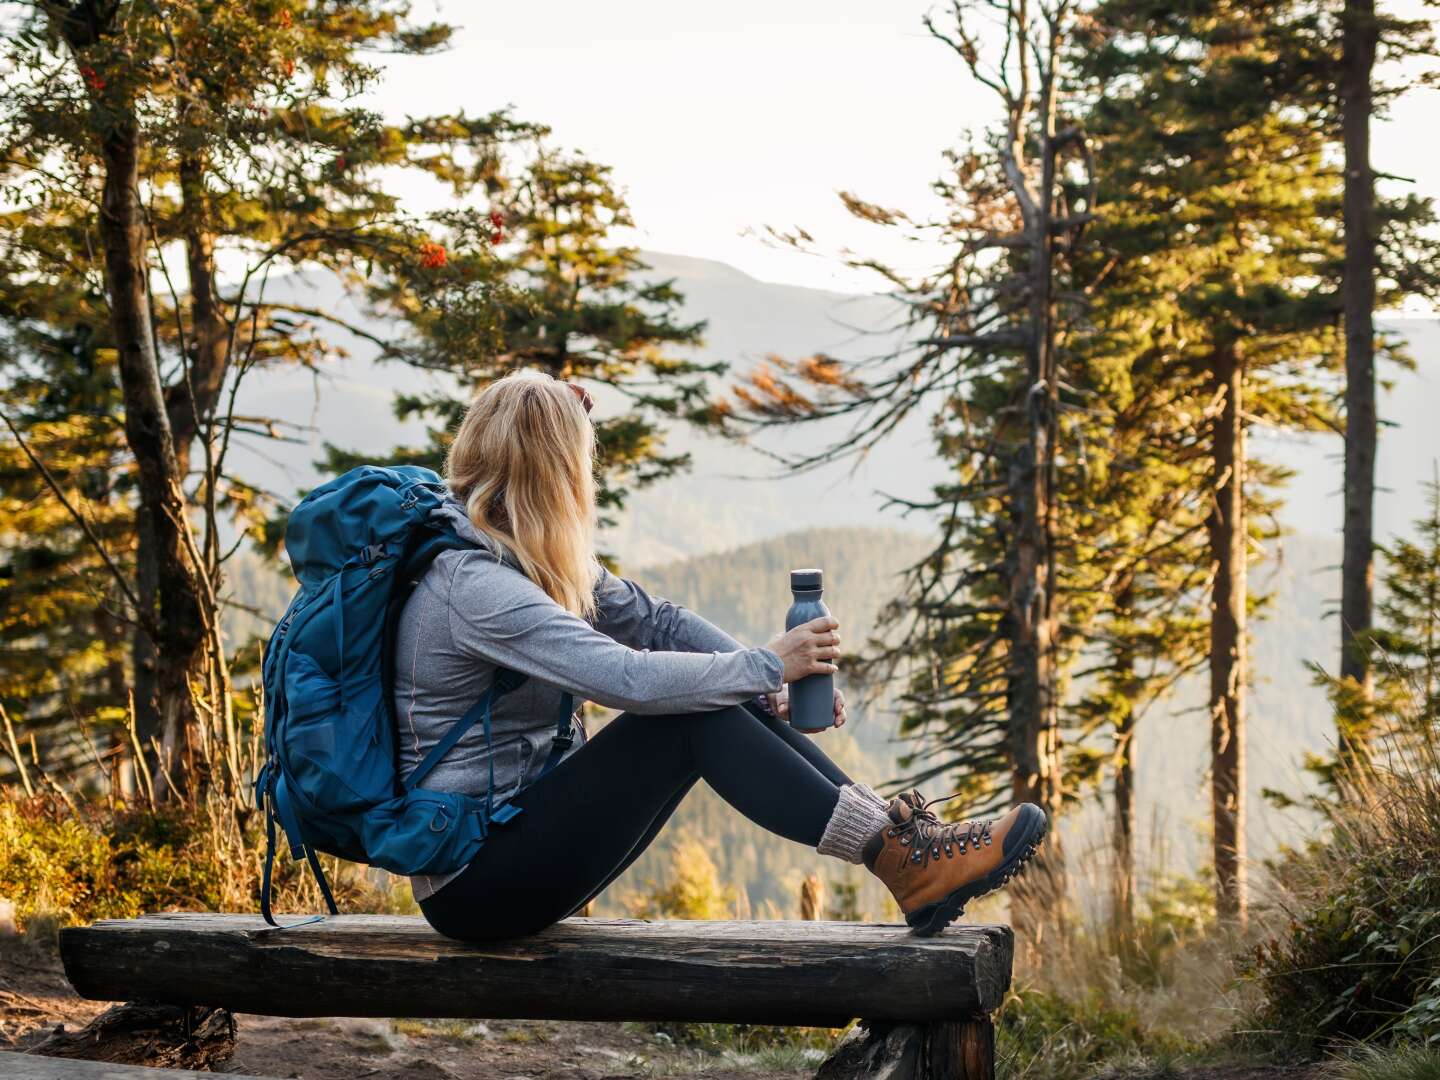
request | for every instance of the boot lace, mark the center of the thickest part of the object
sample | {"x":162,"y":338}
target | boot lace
{"x":929,"y":837}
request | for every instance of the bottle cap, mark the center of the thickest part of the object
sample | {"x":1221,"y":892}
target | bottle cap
{"x":806,"y":580}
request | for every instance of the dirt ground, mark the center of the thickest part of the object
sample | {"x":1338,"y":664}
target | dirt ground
{"x":34,"y":998}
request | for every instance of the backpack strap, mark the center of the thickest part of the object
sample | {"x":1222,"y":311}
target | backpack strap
{"x":479,"y":713}
{"x":274,"y":805}
{"x":564,"y":733}
{"x":503,"y":682}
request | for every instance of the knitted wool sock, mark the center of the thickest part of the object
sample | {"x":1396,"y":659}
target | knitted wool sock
{"x":858,"y":815}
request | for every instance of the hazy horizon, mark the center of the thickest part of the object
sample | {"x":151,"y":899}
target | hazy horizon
{"x":719,"y":125}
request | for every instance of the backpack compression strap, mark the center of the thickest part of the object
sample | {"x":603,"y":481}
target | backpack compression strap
{"x":564,"y":733}
{"x":479,"y":713}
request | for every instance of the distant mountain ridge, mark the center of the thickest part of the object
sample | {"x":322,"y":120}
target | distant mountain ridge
{"x":738,"y":495}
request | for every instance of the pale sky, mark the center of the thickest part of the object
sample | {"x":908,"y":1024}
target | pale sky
{"x":721,"y":119}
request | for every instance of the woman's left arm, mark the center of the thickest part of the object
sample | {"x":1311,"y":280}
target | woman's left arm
{"x":633,"y":617}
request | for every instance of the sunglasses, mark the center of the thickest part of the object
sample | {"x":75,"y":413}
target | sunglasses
{"x":584,"y":395}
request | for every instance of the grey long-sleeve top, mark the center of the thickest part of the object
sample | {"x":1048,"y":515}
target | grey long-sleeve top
{"x":475,"y":610}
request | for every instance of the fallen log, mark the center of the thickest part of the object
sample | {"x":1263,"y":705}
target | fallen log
{"x":821,"y":974}
{"x":925,"y":1001}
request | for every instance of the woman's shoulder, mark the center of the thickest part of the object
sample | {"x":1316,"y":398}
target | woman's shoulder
{"x":482,"y":571}
{"x":479,"y":563}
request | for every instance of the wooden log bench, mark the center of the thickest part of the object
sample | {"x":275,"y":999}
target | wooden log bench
{"x":924,"y":1004}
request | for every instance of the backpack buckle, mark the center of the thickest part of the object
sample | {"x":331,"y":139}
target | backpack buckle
{"x":503,"y":813}
{"x":372,"y":553}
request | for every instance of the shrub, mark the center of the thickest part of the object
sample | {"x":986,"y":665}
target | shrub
{"x":1358,"y":957}
{"x":1051,"y":1035}
{"x":112,"y":861}
{"x":99,"y":864}
{"x":693,"y":892}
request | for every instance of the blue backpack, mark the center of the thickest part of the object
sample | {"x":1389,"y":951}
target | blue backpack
{"x":358,"y":546}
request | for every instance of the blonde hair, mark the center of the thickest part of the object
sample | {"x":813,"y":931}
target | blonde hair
{"x":523,"y":465}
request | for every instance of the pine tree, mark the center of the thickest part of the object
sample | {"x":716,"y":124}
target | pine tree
{"x":987,"y":628}
{"x":1229,"y":208}
{"x":1390,"y":254}
{"x":62,"y":633}
{"x":205,"y":131}
{"x":1404,"y":649}
{"x":576,"y":305}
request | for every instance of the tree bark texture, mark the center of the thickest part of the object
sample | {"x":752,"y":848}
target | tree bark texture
{"x":945,"y":1050}
{"x":162,"y":1036}
{"x":1228,"y":541}
{"x":811,"y":973}
{"x":1124,"y":833}
{"x":18,"y":1066}
{"x":179,"y":628}
{"x":1358,"y":568}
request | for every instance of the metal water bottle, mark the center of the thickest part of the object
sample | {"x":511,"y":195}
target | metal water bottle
{"x":812,"y":699}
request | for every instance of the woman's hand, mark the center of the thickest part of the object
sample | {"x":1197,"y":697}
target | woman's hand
{"x":808,"y":649}
{"x":780,"y":706}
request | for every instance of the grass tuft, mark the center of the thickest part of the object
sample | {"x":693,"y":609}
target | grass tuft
{"x":1404,"y":1063}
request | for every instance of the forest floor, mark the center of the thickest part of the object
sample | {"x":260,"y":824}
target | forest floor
{"x":35,"y":997}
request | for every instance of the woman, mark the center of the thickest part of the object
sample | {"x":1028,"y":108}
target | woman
{"x":531,"y":598}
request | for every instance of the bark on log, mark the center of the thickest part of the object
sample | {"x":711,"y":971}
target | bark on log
{"x":818,"y":974}
{"x":15,"y":1066}
{"x":947,"y":1050}
{"x":167,"y":1036}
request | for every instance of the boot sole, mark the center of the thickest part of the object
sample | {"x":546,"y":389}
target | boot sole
{"x":932,"y":918}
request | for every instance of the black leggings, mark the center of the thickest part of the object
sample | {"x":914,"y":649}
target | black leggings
{"x":583,"y":824}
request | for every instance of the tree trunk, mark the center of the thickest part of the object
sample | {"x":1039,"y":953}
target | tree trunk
{"x":1034,"y":712}
{"x":176,"y":615}
{"x":111,"y":633}
{"x":1227,"y":636}
{"x":1358,"y":570}
{"x":208,"y":349}
{"x":1123,"y":835}
{"x":142,"y":647}
{"x":192,"y":409}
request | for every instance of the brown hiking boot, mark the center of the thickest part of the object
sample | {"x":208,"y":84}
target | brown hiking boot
{"x":933,"y":869}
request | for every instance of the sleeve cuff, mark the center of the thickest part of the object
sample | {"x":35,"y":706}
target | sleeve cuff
{"x":773,"y":669}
